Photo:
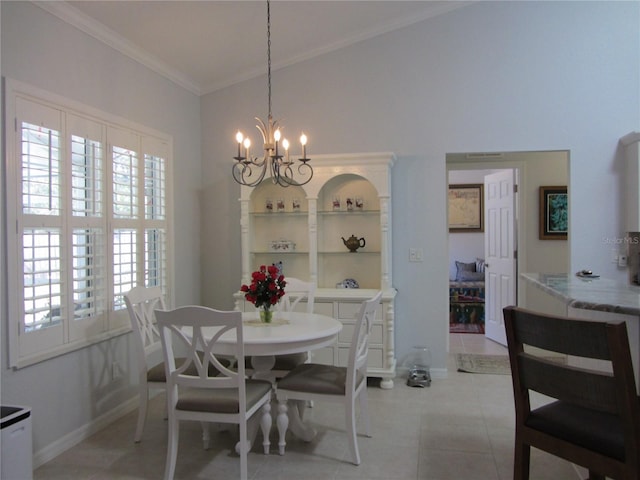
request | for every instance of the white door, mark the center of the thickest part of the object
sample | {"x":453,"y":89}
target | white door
{"x":499,"y":247}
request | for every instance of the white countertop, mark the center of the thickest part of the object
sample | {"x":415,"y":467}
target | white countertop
{"x":600,"y":294}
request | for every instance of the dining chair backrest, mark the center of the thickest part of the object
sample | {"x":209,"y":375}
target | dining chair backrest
{"x":593,"y":419}
{"x":359,"y":349}
{"x":141,"y":303}
{"x":296,"y":291}
{"x":196,"y":330}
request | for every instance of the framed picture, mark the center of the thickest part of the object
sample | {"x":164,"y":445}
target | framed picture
{"x":554,"y":213}
{"x":466,"y":209}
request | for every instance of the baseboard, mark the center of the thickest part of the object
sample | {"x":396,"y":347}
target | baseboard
{"x":71,"y":439}
{"x":438,"y":372}
{"x":403,"y":372}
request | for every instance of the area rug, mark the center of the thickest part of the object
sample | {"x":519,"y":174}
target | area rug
{"x":492,"y":364}
{"x":466,"y":328}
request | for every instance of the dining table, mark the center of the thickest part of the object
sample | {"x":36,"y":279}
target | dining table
{"x":287,"y":333}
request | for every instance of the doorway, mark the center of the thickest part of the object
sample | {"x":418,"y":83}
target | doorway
{"x":531,"y":254}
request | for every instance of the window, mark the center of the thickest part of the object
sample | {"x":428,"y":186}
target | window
{"x":87,"y":194}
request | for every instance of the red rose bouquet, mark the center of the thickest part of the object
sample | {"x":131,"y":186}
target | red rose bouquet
{"x":266,"y":289}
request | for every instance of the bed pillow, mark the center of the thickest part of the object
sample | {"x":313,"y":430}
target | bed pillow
{"x":480,"y":265}
{"x":466,"y":276}
{"x":464,"y":267}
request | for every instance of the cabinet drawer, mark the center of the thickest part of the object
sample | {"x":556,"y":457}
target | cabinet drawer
{"x":346,"y":334}
{"x":348,"y":311}
{"x":375,"y":358}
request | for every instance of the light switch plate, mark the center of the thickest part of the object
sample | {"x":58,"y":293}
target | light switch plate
{"x":415,"y":254}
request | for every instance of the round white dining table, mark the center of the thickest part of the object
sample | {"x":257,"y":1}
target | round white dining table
{"x":289,"y":332}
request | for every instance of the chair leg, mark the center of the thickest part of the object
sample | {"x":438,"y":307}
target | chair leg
{"x":350,"y":417}
{"x":206,"y":435}
{"x":521,"y":461}
{"x":244,"y":448}
{"x":283,"y":424}
{"x":364,"y":412}
{"x":265,"y":425}
{"x":302,"y":406}
{"x":143,"y":392}
{"x":172,"y":448}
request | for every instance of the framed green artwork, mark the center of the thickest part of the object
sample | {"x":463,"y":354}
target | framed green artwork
{"x":554,"y":213}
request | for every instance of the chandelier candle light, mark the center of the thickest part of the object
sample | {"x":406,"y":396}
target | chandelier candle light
{"x":280,"y":167}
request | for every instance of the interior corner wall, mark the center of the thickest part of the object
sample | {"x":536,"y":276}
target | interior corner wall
{"x":491,"y":76}
{"x":70,"y":392}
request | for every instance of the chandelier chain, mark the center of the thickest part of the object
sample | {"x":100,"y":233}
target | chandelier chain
{"x":269,"y":52}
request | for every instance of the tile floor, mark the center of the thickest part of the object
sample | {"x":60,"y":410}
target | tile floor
{"x":459,"y":428}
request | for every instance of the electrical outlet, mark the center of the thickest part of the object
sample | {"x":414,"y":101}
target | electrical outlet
{"x":614,"y":255}
{"x":415,"y":254}
{"x":622,"y":260}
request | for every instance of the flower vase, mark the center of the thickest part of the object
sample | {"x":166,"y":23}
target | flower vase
{"x":266,"y":315}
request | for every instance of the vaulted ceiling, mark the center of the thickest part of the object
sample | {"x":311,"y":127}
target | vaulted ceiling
{"x":207,"y":45}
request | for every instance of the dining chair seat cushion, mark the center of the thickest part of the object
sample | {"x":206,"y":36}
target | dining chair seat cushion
{"x":317,"y":378}
{"x":222,"y":400}
{"x":595,"y":430}
{"x":157,"y":372}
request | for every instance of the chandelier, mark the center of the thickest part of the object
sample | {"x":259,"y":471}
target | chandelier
{"x":250,"y":171}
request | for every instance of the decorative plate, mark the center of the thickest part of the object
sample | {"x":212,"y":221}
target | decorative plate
{"x":348,"y":283}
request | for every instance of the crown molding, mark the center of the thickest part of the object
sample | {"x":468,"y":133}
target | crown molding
{"x":71,"y":15}
{"x":434,"y":11}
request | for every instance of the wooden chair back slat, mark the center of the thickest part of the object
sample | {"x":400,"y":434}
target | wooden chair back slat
{"x":581,"y":338}
{"x":570,"y":384}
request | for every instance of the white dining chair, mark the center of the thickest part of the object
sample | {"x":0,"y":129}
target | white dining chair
{"x":227,"y":397}
{"x":299,"y":295}
{"x":297,"y":291}
{"x":141,"y":303}
{"x":311,"y":382}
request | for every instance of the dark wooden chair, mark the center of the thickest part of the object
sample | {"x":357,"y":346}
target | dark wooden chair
{"x":594,"y":417}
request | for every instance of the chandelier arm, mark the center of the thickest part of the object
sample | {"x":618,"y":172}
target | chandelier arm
{"x":242,"y":171}
{"x":304,"y":169}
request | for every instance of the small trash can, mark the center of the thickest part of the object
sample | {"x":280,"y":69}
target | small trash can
{"x":17,"y":450}
{"x":418,"y":363}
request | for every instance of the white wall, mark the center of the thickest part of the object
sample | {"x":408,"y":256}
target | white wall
{"x":72,"y":390}
{"x":492,"y":76}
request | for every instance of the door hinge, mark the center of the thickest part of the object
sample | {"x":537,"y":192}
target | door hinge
{"x":515,"y":188}
{"x":515,"y":254}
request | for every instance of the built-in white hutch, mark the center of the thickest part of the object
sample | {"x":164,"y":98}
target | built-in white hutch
{"x":304,"y":226}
